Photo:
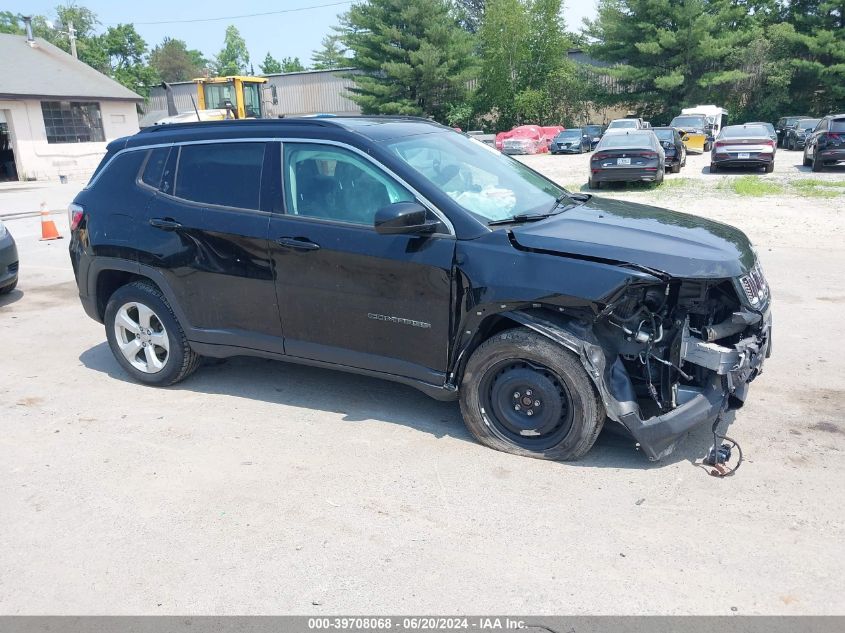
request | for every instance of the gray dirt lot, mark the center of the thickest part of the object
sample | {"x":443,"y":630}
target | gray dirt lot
{"x":260,"y":487}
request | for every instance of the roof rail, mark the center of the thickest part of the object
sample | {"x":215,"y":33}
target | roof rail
{"x":194,"y":125}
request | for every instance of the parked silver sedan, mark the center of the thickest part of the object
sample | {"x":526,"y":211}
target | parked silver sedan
{"x":743,"y":146}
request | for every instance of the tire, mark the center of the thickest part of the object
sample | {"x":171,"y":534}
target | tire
{"x":658,"y":179}
{"x":593,"y":184}
{"x":707,"y":146}
{"x":676,"y":168}
{"x":7,"y":289}
{"x":770,"y":167}
{"x":505,"y":367}
{"x":163,"y":343}
{"x":713,"y":168}
{"x":807,"y":161}
{"x":817,"y":165}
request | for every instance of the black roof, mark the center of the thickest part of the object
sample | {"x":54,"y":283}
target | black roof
{"x":376,"y":128}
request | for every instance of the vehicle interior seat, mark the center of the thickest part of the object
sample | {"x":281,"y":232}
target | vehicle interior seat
{"x":316,"y":193}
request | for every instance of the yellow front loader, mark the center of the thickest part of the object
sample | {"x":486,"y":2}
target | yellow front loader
{"x":238,"y":96}
{"x":220,"y":98}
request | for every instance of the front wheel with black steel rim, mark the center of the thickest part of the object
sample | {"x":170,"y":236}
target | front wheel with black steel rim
{"x":145,"y":337}
{"x":524,"y":394}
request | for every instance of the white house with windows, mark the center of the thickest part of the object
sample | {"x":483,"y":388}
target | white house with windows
{"x":57,"y":114}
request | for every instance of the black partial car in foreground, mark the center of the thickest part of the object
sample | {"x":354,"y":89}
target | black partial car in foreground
{"x":400,"y":249}
{"x":627,"y":156}
{"x":8,"y":261}
{"x":675,"y":153}
{"x":825,"y":146}
{"x":797,"y":134}
{"x":572,"y":141}
{"x":743,"y":146}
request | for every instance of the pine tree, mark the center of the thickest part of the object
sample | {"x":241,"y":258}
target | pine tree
{"x":332,"y":55}
{"x":270,"y":65}
{"x":415,"y":57}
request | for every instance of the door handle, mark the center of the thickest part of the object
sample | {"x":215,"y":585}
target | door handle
{"x":300,"y":244}
{"x":165,"y":224}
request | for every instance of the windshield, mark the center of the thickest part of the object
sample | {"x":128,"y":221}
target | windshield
{"x":623,"y":141}
{"x":665,"y":135}
{"x":595,"y":130}
{"x":632,"y":123}
{"x":483,"y":181}
{"x":216,"y":95}
{"x":569,"y":134}
{"x":689,"y":121}
{"x":744,"y":131}
{"x":804,"y":124}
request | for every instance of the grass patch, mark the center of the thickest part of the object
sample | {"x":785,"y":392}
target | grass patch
{"x":753,"y":186}
{"x":675,"y":183}
{"x":816,"y":188}
{"x":815,"y":182}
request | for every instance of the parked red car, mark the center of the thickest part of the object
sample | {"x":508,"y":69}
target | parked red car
{"x":526,"y":139}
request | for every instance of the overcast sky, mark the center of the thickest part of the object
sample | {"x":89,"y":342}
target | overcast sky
{"x":293,"y":34}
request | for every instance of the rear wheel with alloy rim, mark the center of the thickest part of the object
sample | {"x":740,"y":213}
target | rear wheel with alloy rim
{"x":817,"y":165}
{"x":526,"y":395}
{"x":145,"y":336}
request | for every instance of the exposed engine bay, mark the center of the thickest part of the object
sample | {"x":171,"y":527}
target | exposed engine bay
{"x":668,"y":344}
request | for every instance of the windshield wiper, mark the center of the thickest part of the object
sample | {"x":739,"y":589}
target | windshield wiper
{"x":520,"y":218}
{"x":578,"y":197}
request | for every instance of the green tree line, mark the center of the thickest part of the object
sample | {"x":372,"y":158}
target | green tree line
{"x":499,"y":62}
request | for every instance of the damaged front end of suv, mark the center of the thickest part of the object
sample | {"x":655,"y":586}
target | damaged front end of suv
{"x":666,"y":358}
{"x":674,"y":338}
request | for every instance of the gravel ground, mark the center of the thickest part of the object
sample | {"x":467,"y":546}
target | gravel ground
{"x":261,"y":487}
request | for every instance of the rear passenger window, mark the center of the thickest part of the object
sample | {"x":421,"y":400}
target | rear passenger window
{"x":837,"y":125}
{"x":225,"y":174}
{"x":154,"y":167}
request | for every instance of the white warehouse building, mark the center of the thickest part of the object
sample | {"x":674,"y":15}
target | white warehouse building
{"x":57,"y":114}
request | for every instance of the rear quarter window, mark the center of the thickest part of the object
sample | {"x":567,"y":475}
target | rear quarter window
{"x":837,"y":125}
{"x":154,"y":166}
{"x":117,"y":177}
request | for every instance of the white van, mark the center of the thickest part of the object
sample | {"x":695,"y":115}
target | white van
{"x":717,"y":117}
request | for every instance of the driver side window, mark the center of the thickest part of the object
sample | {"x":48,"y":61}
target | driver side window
{"x":332,"y":183}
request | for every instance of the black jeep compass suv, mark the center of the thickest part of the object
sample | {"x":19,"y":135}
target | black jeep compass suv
{"x":399,"y":248}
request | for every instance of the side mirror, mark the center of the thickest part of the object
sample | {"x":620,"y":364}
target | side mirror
{"x":403,"y":217}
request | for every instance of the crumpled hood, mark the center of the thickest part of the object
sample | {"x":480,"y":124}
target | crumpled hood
{"x":677,"y":244}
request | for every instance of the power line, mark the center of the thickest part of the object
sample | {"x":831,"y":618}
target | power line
{"x":247,"y":15}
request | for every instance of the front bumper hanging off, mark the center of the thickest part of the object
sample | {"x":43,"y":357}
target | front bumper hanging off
{"x":734,"y":368}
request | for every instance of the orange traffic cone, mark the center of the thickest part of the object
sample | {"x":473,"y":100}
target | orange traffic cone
{"x":48,"y":227}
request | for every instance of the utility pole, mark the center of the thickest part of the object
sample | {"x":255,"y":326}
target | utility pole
{"x":71,"y":33}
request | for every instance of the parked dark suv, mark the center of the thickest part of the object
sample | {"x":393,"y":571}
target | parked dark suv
{"x":825,"y":145}
{"x":401,"y":249}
